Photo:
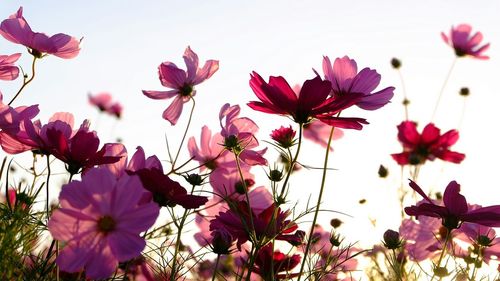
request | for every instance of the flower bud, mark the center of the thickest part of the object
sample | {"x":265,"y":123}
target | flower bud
{"x":396,"y":63}
{"x":221,"y":241}
{"x":392,"y":240}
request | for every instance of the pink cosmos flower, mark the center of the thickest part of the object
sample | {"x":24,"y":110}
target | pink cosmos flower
{"x":319,"y":133}
{"x":424,"y":237}
{"x":455,"y":209}
{"x":239,"y":135}
{"x":100,"y":222}
{"x":313,"y":101}
{"x":274,"y":265}
{"x":481,"y":236}
{"x":210,"y":154}
{"x":181,"y":82}
{"x":465,"y":43}
{"x":417,"y":148}
{"x":17,"y":30}
{"x":8,"y":71}
{"x":346,"y":80}
{"x":103,"y":101}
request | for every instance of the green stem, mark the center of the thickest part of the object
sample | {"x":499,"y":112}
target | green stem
{"x":405,"y":100}
{"x":47,"y":186}
{"x":447,"y":239}
{"x":252,"y":228}
{"x":292,"y":163}
{"x":184,"y":135}
{"x":25,"y":82}
{"x":442,"y":88}
{"x":323,"y":181}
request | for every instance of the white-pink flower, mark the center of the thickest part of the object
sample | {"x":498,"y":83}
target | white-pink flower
{"x":100,"y":221}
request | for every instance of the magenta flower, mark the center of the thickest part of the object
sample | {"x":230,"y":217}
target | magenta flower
{"x":346,"y":80}
{"x":274,"y":265}
{"x":455,"y":209}
{"x":464,"y":43}
{"x":100,"y":222}
{"x":283,"y":136}
{"x":181,"y":82}
{"x":12,"y":126}
{"x":17,"y":30}
{"x":80,"y":149}
{"x":417,"y":148}
{"x":115,"y":109}
{"x":239,"y":135}
{"x":167,"y":192}
{"x":8,"y":71}
{"x":210,"y":154}
{"x":313,"y":101}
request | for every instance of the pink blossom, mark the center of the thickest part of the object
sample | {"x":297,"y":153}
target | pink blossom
{"x":424,"y":237}
{"x":274,"y":265}
{"x":319,"y":133}
{"x":239,"y":135}
{"x":181,"y":82}
{"x":17,"y":30}
{"x":115,"y":109}
{"x":465,"y":43}
{"x":346,"y":80}
{"x":429,"y":145}
{"x":8,"y":71}
{"x":103,"y":101}
{"x":100,"y":222}
{"x":210,"y":154}
{"x":283,"y":136}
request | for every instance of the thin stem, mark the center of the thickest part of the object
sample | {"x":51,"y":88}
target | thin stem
{"x":246,"y":195}
{"x":47,"y":186}
{"x":184,"y":135}
{"x":253,"y":253}
{"x":462,"y":115}
{"x":216,"y":267}
{"x":25,"y":82}
{"x":405,"y":97}
{"x":442,"y":88}
{"x":474,"y":270}
{"x":323,"y":180}
{"x":292,"y":163}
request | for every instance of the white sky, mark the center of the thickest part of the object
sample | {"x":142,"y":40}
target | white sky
{"x":125,"y":41}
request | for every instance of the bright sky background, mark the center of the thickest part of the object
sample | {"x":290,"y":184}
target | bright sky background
{"x":125,"y":41}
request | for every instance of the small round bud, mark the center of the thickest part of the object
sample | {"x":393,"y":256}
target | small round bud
{"x":383,"y":172}
{"x":392,"y":240}
{"x":275,"y":175}
{"x":221,"y":241}
{"x":362,"y":201}
{"x":283,"y":136}
{"x":335,"y":239}
{"x":396,"y":63}
{"x":335,"y":223}
{"x":464,"y":91}
{"x":243,"y":188}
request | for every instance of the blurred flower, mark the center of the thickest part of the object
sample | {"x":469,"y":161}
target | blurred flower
{"x":181,"y":82}
{"x":313,"y":101}
{"x":464,"y":43}
{"x":11,"y":119}
{"x":274,"y":265}
{"x":417,"y":148}
{"x":424,"y":238}
{"x":347,"y":81}
{"x":115,"y":109}
{"x":17,"y":30}
{"x":100,"y":222}
{"x":8,"y":71}
{"x":103,"y":101}
{"x":455,"y":209}
{"x":319,"y":133}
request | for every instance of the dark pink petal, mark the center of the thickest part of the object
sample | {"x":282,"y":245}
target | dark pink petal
{"x":376,"y":100}
{"x":419,"y":190}
{"x":426,"y":209}
{"x":171,"y":76}
{"x":344,"y":122}
{"x":66,"y":47}
{"x":488,"y":216}
{"x":160,"y":95}
{"x":430,"y":134}
{"x":266,"y":108}
{"x":102,"y":264}
{"x":449,"y":138}
{"x":453,"y":200}
{"x":191,"y":201}
{"x":407,"y":133}
{"x":313,"y":93}
{"x":143,"y":217}
{"x":452,"y":156}
{"x":280,"y":93}
{"x":327,"y":70}
{"x":344,"y":70}
{"x":365,"y":81}
{"x":252,"y":157}
{"x":401,"y":158}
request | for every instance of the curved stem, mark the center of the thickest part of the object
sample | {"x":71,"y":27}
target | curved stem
{"x":25,"y":82}
{"x":292,"y":163}
{"x":405,"y":97}
{"x":442,"y":89}
{"x":184,"y":135}
{"x":323,"y":180}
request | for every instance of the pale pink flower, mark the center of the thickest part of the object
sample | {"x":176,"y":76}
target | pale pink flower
{"x":181,"y":82}
{"x":100,"y":222}
{"x":17,"y":30}
{"x":8,"y":71}
{"x":101,"y":100}
{"x":346,"y":80}
{"x":319,"y":133}
{"x":210,"y":154}
{"x":239,"y":135}
{"x":465,"y":43}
